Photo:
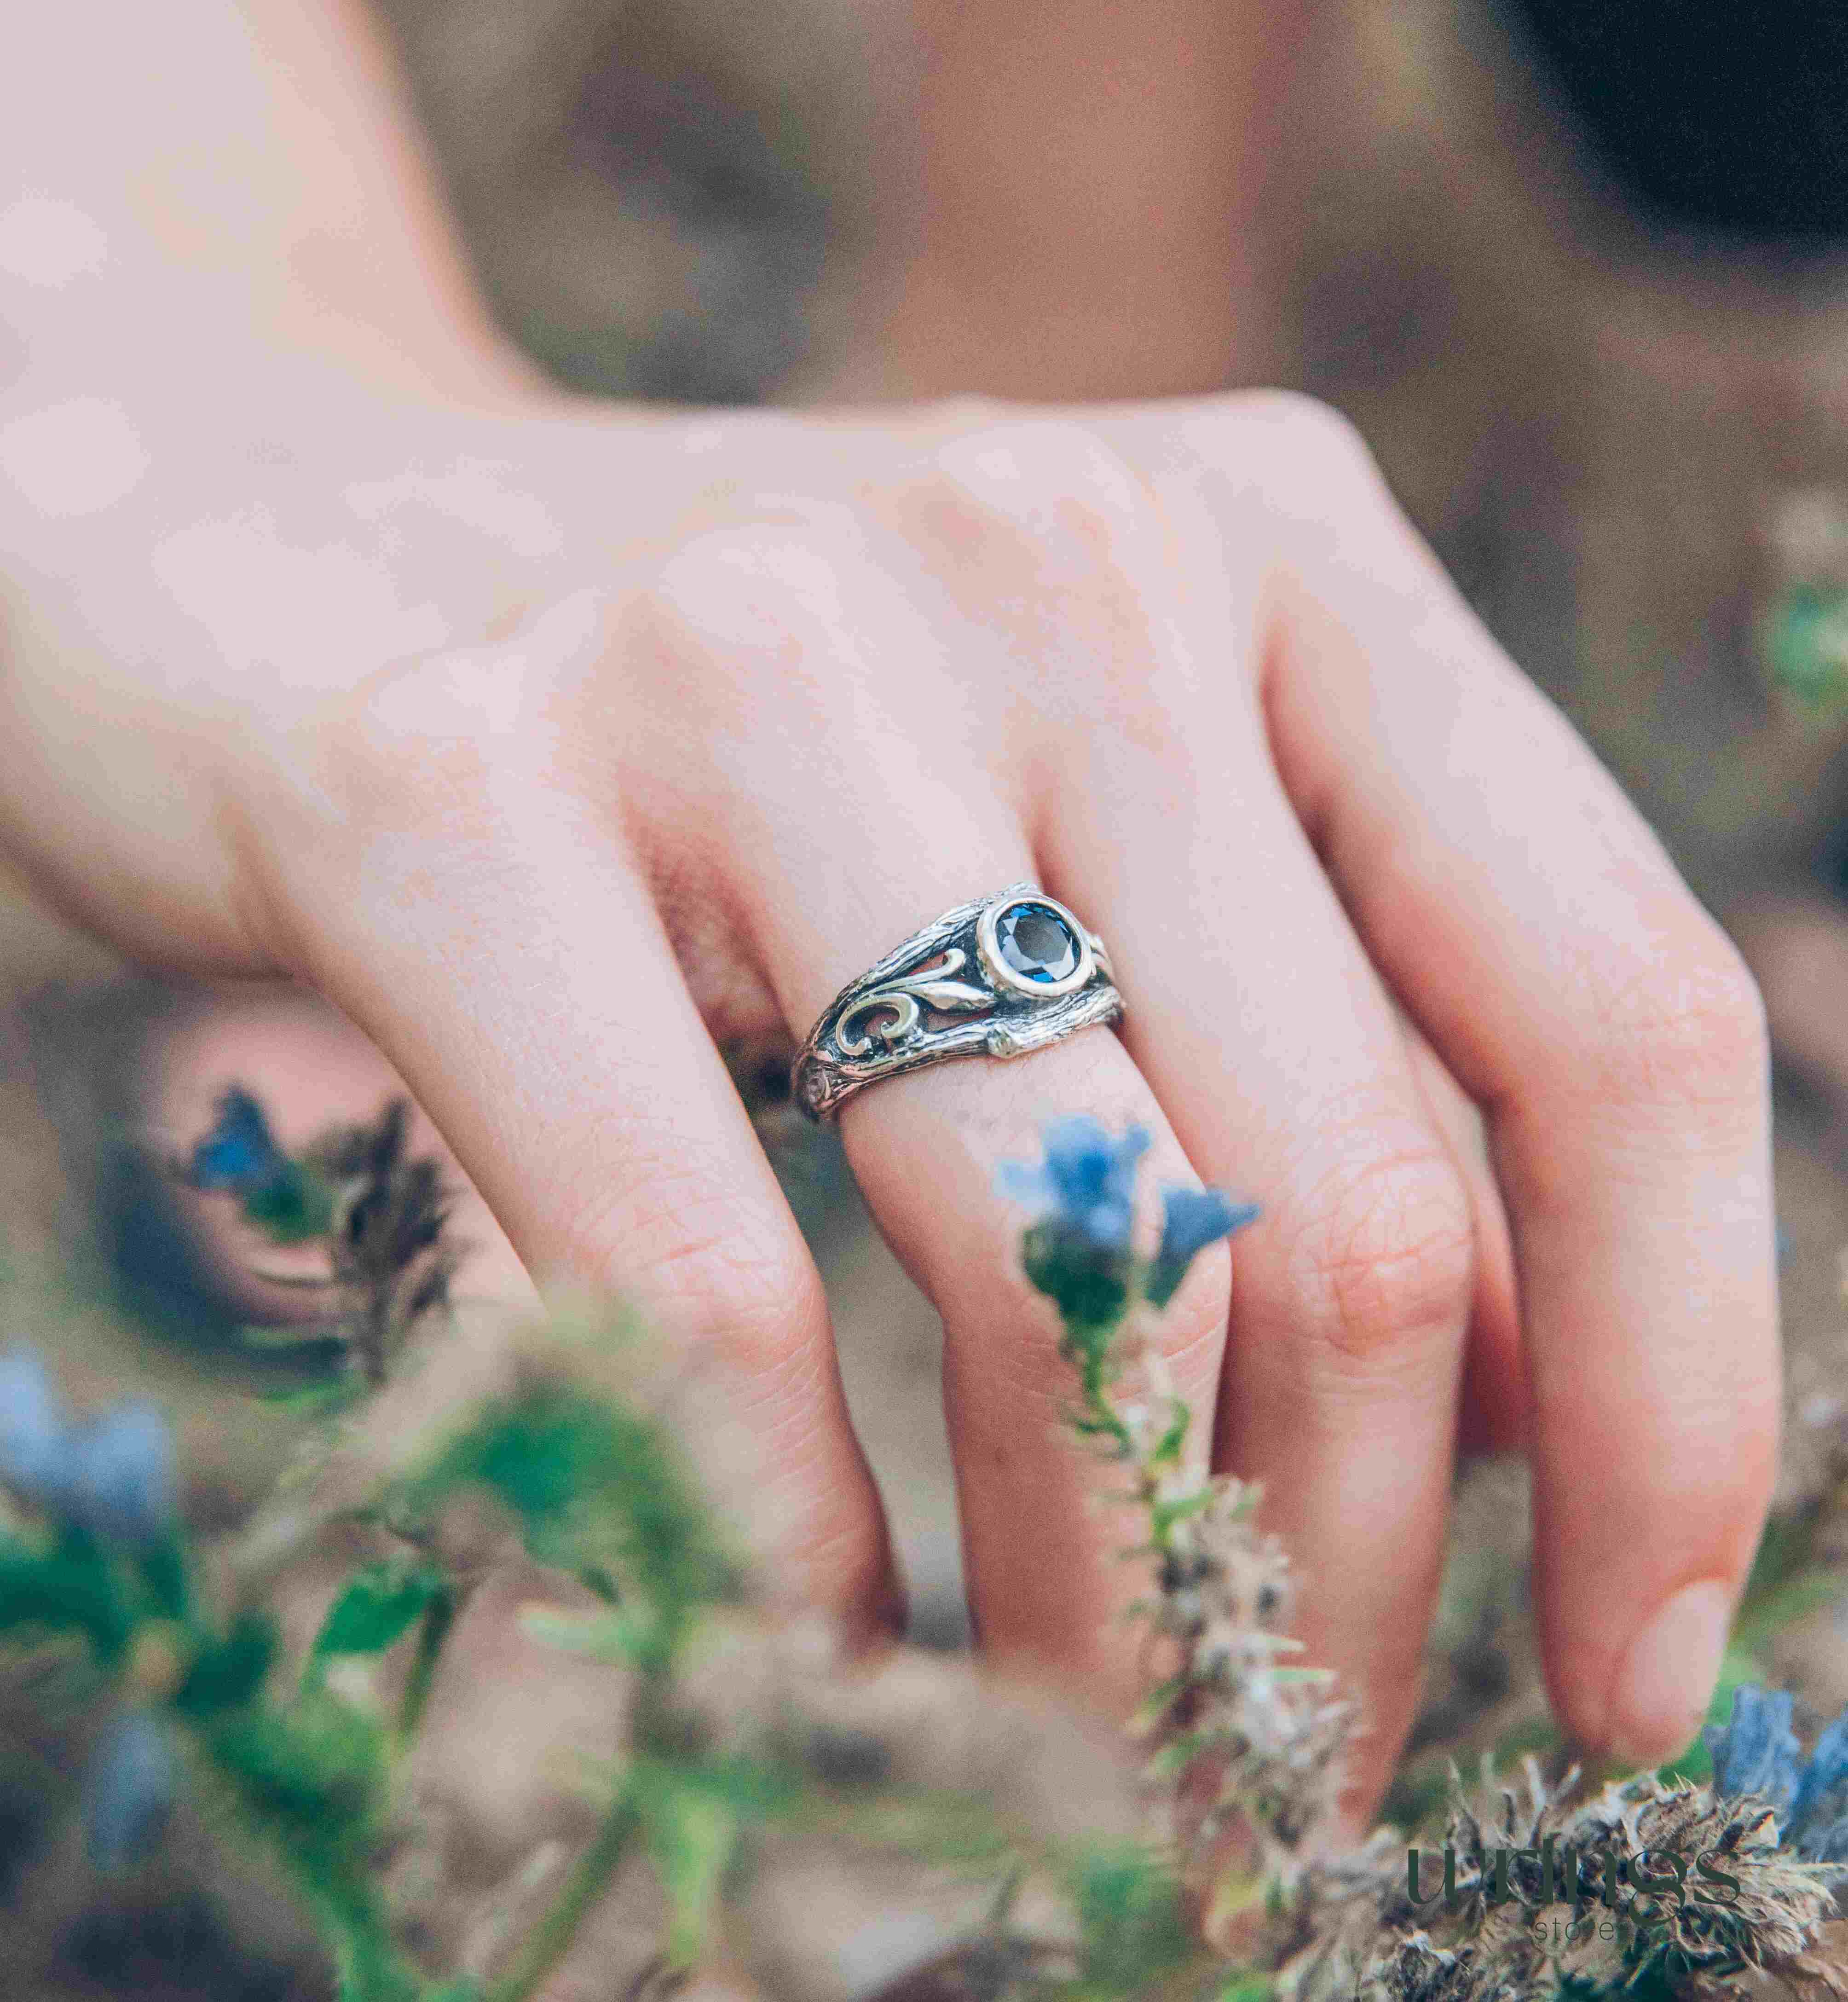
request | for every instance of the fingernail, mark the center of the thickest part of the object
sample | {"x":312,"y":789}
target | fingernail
{"x":1667,"y":1679}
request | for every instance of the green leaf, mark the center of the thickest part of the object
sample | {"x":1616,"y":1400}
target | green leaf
{"x":295,"y":1208}
{"x":1089,"y":1287}
{"x":312,"y":1774}
{"x":378,"y":1605}
{"x":1131,"y":1922}
{"x":438,"y":1617}
{"x":1806,"y":643}
{"x":594,"y":1486}
{"x":1155,"y":1706}
{"x":317,"y":1400}
{"x":311,"y":1335}
{"x":1162,"y":1515}
{"x":68,"y":1589}
{"x":1246,"y":1988}
{"x":164,"y":1575}
{"x":608,"y":1634}
{"x":228,"y":1675}
{"x":1168,"y":1448}
{"x":691,"y":1832}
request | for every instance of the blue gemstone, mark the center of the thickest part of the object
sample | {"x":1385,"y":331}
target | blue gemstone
{"x":1036,"y":943}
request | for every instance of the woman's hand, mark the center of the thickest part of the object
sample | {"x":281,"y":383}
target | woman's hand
{"x":558,"y":747}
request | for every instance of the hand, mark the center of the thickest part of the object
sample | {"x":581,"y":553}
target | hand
{"x":558,"y":747}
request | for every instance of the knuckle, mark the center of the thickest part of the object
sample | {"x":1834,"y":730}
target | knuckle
{"x":382,"y":766}
{"x":732,"y":589}
{"x":966,"y":410}
{"x":401,"y":787}
{"x":710,"y":1270}
{"x":1322,"y":445}
{"x":413,"y":746}
{"x":1389,"y":1264}
{"x":1049,"y":492}
{"x":1688,"y":1029}
{"x":750,"y":608}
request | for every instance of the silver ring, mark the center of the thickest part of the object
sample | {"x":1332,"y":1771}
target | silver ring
{"x":997,"y":978}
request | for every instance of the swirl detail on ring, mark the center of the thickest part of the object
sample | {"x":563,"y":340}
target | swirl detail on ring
{"x":903,"y":1002}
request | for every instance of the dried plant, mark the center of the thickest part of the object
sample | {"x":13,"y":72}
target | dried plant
{"x":529,"y":1492}
{"x":380,"y":1213}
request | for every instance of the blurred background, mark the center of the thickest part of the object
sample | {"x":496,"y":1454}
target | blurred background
{"x":1579,"y":273}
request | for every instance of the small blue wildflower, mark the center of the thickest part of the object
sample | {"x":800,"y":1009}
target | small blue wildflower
{"x":239,"y":1153}
{"x":121,"y":1483}
{"x":1826,"y":1769}
{"x":1086,"y":1185}
{"x":1819,"y":1817}
{"x":128,"y":1795}
{"x":1192,"y":1219}
{"x":1755,"y":1751}
{"x":1077,"y":1252}
{"x":34,"y":1444}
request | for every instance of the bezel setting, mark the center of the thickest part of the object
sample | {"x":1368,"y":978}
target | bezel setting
{"x":988,"y":947}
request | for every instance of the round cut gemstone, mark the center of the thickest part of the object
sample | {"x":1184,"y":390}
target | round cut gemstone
{"x":1036,"y":943}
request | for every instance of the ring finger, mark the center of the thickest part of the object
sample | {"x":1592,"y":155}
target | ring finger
{"x":831,"y":874}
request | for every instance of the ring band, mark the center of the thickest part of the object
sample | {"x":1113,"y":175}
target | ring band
{"x":997,"y":977}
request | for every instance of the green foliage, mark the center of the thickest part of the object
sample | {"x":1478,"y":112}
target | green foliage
{"x":1131,"y":1922}
{"x":692,"y":1814}
{"x":378,"y":1605}
{"x":594,"y":1488}
{"x":1805,"y":639}
{"x":311,"y":1778}
{"x":71,"y":1584}
{"x":227,"y":1675}
{"x":296,"y":1208}
{"x":379,"y":1212}
{"x":1089,"y":1285}
{"x":1239,"y":1739}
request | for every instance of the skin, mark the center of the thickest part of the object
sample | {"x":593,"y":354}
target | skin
{"x":555,"y":743}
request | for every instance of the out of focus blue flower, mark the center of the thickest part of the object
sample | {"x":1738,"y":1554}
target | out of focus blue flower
{"x":240,"y":1152}
{"x":114,"y":1475}
{"x":122,"y":1482}
{"x":1755,"y":1751}
{"x":129,"y":1792}
{"x":34,"y":1444}
{"x":1086,"y":1185}
{"x":1826,"y":1771}
{"x":1192,"y":1219}
{"x":1817,"y":1824}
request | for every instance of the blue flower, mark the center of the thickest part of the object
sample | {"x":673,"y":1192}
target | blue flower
{"x":1086,"y":1185}
{"x":240,"y":1152}
{"x":1755,"y":1751}
{"x":113,"y":1476}
{"x":121,"y":1483}
{"x":129,"y":1792}
{"x":34,"y":1444}
{"x":1192,"y":1219}
{"x":1817,"y":1824}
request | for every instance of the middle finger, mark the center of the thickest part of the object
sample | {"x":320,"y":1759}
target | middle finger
{"x":1256,"y":1017}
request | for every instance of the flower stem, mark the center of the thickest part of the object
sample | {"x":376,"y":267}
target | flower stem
{"x":545,"y":1944}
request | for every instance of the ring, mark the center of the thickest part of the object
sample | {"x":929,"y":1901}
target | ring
{"x":997,"y":978}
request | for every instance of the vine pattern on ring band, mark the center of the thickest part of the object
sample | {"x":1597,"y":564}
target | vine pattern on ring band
{"x":904,"y":1001}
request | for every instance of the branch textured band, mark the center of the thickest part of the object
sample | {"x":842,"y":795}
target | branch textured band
{"x":997,"y":978}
